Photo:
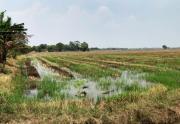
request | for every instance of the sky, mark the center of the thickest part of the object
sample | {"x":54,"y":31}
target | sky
{"x":101,"y":23}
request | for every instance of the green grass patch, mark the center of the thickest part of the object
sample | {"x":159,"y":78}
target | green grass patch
{"x":168,"y":78}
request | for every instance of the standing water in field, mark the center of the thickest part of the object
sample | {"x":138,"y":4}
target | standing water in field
{"x":43,"y":70}
{"x":31,"y":93}
{"x":93,"y":90}
{"x":105,"y":87}
{"x":130,"y":78}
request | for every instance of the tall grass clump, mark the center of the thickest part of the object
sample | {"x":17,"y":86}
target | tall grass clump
{"x":50,"y":88}
{"x":17,"y":95}
{"x":9,"y":102}
{"x":168,"y":78}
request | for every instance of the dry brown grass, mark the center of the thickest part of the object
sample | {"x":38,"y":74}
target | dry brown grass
{"x":5,"y":83}
{"x":158,"y":52}
{"x":145,"y":110}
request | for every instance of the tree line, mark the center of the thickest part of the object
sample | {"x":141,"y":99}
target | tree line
{"x":14,"y":41}
{"x":72,"y":46}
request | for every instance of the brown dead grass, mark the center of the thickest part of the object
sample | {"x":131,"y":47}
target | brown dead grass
{"x":156,"y":106}
{"x":5,"y":83}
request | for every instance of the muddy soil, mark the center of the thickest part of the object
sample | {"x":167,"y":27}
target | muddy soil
{"x":31,"y":71}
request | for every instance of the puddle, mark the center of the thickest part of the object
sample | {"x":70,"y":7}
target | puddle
{"x":130,"y":78}
{"x":93,"y":90}
{"x":44,"y":71}
{"x":31,"y":93}
{"x":62,"y":71}
{"x":88,"y":90}
{"x":104,"y":87}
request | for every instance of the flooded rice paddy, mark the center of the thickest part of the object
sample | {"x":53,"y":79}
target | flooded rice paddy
{"x":79,"y":87}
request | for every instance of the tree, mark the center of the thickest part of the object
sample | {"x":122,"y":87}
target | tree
{"x":35,"y":48}
{"x":24,"y":49}
{"x":51,"y":48}
{"x":84,"y":46}
{"x":78,"y":45}
{"x":42,"y":47}
{"x":74,"y":46}
{"x":12,"y":37}
{"x":66,"y":47}
{"x":59,"y":46}
{"x":164,"y":47}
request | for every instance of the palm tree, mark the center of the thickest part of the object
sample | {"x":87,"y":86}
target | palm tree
{"x":12,"y":36}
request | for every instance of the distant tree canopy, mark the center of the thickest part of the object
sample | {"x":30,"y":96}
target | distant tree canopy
{"x":164,"y":47}
{"x":84,"y":46}
{"x":13,"y":37}
{"x":59,"y":46}
{"x":72,"y":46}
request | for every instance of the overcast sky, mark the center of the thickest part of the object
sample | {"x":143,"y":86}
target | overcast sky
{"x":101,"y":23}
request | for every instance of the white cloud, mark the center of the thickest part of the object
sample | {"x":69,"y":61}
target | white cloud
{"x":132,"y":18}
{"x":162,"y":3}
{"x":2,"y":1}
{"x":33,"y":11}
{"x":74,"y":24}
{"x":103,"y":11}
